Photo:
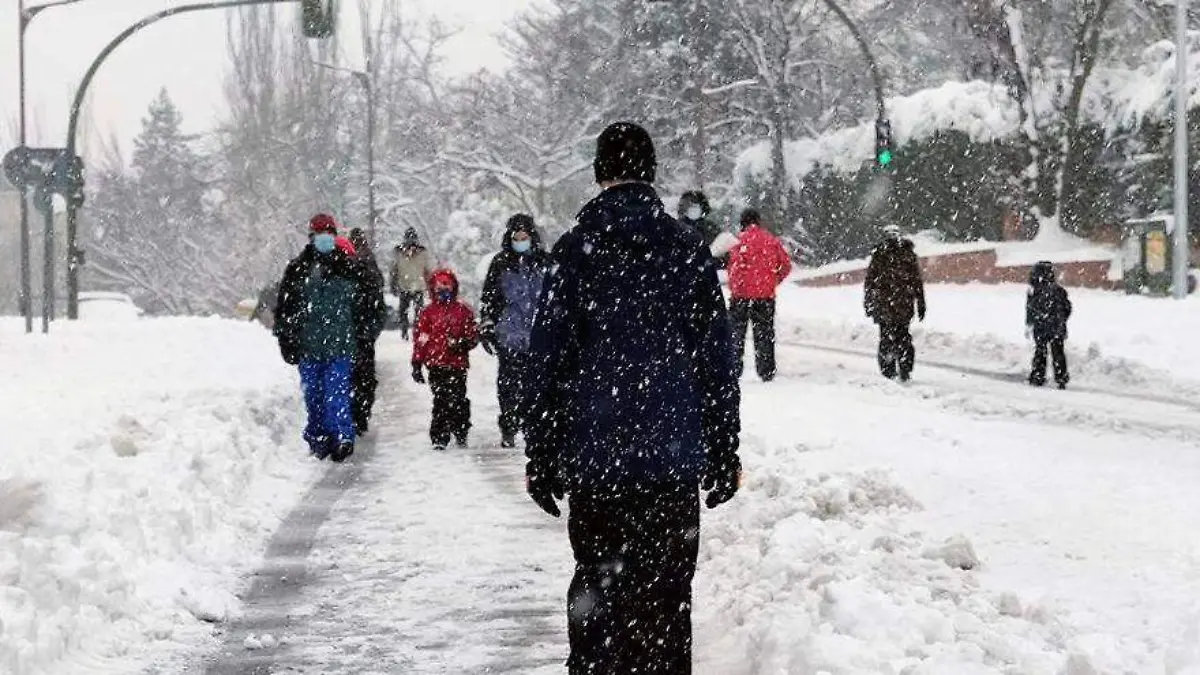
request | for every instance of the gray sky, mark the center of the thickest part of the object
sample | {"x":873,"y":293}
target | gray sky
{"x":186,"y":54}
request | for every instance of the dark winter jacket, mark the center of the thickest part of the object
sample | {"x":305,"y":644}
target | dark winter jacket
{"x":373,"y":304}
{"x":321,"y":313}
{"x":1047,"y":306}
{"x":511,"y":290}
{"x":633,"y":381}
{"x":707,"y":229}
{"x":894,"y":290}
{"x":446,"y":332}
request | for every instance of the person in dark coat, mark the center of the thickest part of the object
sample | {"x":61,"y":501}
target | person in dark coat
{"x":510,"y":293}
{"x":321,"y":316}
{"x":694,"y":212}
{"x":365,"y":380}
{"x":1047,"y":309}
{"x":443,"y":338}
{"x":633,"y":403}
{"x":893,"y":292}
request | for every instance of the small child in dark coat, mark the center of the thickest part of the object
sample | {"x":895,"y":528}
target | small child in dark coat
{"x":1047,"y":309}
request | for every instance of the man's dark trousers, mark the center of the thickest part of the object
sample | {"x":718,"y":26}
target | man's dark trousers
{"x":451,"y":407}
{"x":759,"y":315}
{"x":630,"y":602}
{"x":896,"y":349}
{"x":1058,"y":351}
{"x":513,"y":366}
{"x":365,"y":383}
{"x":413,"y":301}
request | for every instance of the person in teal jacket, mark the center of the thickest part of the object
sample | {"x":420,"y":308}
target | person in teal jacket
{"x":322,"y":314}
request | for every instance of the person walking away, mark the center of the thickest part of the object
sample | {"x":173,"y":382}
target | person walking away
{"x":1047,"y":309}
{"x":757,"y":265}
{"x":363,"y":375}
{"x":410,"y":273}
{"x":892,"y":293}
{"x":444,"y":336}
{"x":510,"y":294}
{"x":633,"y":404}
{"x":320,"y":317}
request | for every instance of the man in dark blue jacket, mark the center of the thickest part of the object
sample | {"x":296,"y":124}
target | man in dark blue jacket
{"x":633,"y":404}
{"x":510,"y":294}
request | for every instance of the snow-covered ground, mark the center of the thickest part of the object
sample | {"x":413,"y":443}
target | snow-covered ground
{"x":142,"y":465}
{"x":964,"y":523}
{"x":1115,"y":339}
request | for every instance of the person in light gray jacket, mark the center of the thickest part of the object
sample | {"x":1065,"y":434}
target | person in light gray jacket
{"x":410,"y":273}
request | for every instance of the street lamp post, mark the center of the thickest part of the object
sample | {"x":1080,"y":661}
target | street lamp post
{"x":24,"y":17}
{"x":1179,"y":257}
{"x":365,"y":80}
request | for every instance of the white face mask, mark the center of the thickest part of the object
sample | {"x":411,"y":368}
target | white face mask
{"x":694,"y":213}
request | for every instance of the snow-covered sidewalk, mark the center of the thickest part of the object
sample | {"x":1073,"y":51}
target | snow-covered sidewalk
{"x":428,"y":563}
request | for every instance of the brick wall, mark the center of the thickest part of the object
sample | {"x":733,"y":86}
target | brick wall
{"x":981,"y":267}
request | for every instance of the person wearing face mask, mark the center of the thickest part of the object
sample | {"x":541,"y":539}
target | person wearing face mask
{"x":444,"y":336}
{"x":321,"y":316}
{"x":510,"y":294}
{"x":694,"y":211}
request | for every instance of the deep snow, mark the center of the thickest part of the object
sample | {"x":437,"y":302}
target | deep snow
{"x":142,"y":466}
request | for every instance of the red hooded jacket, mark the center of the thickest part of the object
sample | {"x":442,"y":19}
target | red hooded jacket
{"x":757,"y":264}
{"x":446,"y":331}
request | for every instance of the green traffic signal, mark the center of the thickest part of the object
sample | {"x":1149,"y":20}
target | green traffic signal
{"x":884,"y":158}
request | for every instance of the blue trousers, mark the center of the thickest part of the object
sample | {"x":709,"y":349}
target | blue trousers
{"x":327,"y":389}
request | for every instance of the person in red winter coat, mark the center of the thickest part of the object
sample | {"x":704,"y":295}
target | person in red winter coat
{"x":446,"y":333}
{"x":757,"y":265}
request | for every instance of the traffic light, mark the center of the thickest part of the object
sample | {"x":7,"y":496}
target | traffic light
{"x":318,"y":17}
{"x":884,"y":153}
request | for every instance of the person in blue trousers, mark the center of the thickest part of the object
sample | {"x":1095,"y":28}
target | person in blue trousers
{"x":322,"y":314}
{"x":510,"y":295}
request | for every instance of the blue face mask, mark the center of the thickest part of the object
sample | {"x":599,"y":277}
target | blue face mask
{"x":324,"y":242}
{"x":445,"y":296}
{"x":522,"y":246}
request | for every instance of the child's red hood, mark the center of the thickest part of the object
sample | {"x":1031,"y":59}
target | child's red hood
{"x":443,"y":274}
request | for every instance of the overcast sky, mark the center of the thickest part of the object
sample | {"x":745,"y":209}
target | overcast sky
{"x":185,"y":53}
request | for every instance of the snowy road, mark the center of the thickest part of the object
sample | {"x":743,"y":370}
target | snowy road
{"x":427,"y":563}
{"x":1080,"y":504}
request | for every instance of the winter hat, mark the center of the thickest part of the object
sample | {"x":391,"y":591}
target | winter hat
{"x":358,"y":237}
{"x":624,"y":151}
{"x":346,"y":246}
{"x":750,"y":217}
{"x":694,"y":197}
{"x":443,"y":275}
{"x":322,"y":223}
{"x":521,"y":222}
{"x":410,"y":237}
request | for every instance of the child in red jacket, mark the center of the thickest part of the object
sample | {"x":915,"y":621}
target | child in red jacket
{"x":446,"y":332}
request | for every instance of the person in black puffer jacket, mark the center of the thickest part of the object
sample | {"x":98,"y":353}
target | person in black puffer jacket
{"x":1047,"y":309}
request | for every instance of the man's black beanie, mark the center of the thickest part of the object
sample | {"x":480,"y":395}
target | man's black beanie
{"x":624,"y":151}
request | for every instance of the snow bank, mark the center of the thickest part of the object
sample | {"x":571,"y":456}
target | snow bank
{"x":1114,"y":338}
{"x":981,"y":110}
{"x":819,"y":573}
{"x":142,"y":467}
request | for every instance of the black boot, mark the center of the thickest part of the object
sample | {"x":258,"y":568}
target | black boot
{"x":343,"y":451}
{"x":508,"y":441}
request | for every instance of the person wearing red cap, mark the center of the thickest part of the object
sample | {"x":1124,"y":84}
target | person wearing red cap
{"x":446,"y":332}
{"x":322,"y":314}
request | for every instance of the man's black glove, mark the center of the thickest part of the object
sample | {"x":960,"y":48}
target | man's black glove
{"x":544,"y":486}
{"x":487,"y":338}
{"x":417,"y":375}
{"x":721,"y":479}
{"x":921,"y":311}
